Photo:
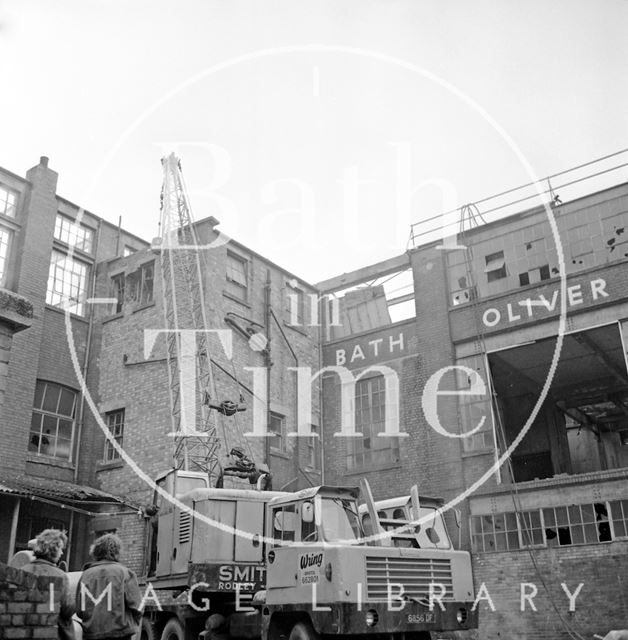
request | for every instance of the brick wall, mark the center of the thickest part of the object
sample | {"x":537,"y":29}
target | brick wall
{"x":601,"y":605}
{"x":25,"y":610}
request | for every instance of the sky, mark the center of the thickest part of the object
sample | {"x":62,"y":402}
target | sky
{"x":316,"y":132}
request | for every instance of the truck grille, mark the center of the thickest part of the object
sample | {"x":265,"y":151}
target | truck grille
{"x":415,"y":574}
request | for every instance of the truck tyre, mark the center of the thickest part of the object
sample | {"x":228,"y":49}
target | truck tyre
{"x":303,"y":631}
{"x":146,"y":630}
{"x":173,"y":630}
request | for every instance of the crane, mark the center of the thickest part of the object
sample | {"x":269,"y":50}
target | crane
{"x":181,"y":269}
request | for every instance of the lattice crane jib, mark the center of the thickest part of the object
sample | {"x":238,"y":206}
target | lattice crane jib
{"x":195,"y":449}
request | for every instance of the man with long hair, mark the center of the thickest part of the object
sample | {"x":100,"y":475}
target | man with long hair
{"x":48,"y":549}
{"x":108,"y":596}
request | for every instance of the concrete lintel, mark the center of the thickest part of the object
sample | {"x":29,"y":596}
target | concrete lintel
{"x":378,"y":270}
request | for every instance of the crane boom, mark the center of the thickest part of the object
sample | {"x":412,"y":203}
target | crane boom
{"x":195,"y":449}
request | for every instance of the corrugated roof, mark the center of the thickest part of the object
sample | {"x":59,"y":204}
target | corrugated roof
{"x":56,"y":490}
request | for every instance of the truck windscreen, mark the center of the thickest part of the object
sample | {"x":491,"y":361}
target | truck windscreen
{"x":340,"y":520}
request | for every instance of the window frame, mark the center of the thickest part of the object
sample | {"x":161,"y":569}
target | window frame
{"x":118,"y":291}
{"x":4,"y":201}
{"x":370,"y":428}
{"x":110,"y":454}
{"x":78,"y":308}
{"x":281,"y":435}
{"x":5,"y":260}
{"x":235,"y":288}
{"x":67,"y":231}
{"x":295,"y":294}
{"x":43,"y":413}
{"x":497,"y":271}
{"x":143,"y":298}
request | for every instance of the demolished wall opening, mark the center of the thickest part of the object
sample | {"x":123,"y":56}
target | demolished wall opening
{"x":580,"y":426}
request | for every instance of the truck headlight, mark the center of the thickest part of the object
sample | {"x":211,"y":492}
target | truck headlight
{"x":462,"y":615}
{"x":371,"y":618}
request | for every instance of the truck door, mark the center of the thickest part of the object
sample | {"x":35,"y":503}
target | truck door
{"x":282,"y":554}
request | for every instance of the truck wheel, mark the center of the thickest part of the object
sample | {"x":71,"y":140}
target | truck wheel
{"x":173,"y":630}
{"x":147,"y":630}
{"x":303,"y":631}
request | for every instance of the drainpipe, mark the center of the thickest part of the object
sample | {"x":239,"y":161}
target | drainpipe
{"x":85,"y":368}
{"x":269,"y":364}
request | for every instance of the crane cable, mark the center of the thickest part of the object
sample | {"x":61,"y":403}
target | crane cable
{"x":468,"y":253}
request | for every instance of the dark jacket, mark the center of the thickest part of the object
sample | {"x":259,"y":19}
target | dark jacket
{"x":66,"y":609}
{"x":116,"y":612}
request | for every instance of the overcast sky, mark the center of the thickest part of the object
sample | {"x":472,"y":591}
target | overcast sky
{"x":306,"y":127}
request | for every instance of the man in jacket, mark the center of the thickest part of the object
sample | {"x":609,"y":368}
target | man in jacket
{"x":108,"y":596}
{"x":47,"y":550}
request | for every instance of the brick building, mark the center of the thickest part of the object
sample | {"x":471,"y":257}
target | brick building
{"x":480,"y":358}
{"x":56,"y":467}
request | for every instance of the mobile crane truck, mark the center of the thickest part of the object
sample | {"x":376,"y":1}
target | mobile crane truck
{"x":305,"y":569}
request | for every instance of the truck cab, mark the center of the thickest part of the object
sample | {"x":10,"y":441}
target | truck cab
{"x":325,"y":577}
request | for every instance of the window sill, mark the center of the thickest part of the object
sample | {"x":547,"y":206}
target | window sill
{"x":229,"y":296}
{"x":146,"y":305}
{"x":106,"y":466}
{"x":279,"y":454}
{"x":50,"y":461}
{"x":382,"y":466}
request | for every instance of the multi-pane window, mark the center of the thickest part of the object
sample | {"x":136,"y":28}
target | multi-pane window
{"x":67,"y":282}
{"x":52,"y":422}
{"x":117,"y":291}
{"x":115,"y":424}
{"x":8,"y":202}
{"x":74,"y":234}
{"x":295,"y":304}
{"x":551,"y":527}
{"x":278,"y":428}
{"x":237,"y":276}
{"x":370,"y":414}
{"x":5,"y":238}
{"x":474,"y":408}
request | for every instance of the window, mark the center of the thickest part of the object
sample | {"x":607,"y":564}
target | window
{"x":237,"y":276}
{"x":115,"y":424}
{"x":370,"y":412}
{"x":147,"y":274}
{"x":278,"y":427}
{"x":117,"y":287}
{"x":473,"y":408}
{"x":8,"y":202}
{"x":52,"y":422}
{"x":74,"y":234}
{"x":550,"y":527}
{"x":538,"y":274}
{"x":495,"y":266}
{"x":284,"y":523}
{"x":295,"y":304}
{"x":128,"y":251}
{"x":67,"y":282}
{"x":5,"y":238}
{"x":314,"y":449}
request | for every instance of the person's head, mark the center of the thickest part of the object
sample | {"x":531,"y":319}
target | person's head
{"x":49,"y":545}
{"x":106,"y":547}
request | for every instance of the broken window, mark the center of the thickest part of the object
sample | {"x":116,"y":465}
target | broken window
{"x":52,"y":421}
{"x":67,"y":282}
{"x":146,"y":282}
{"x":495,"y":266}
{"x":117,"y":291}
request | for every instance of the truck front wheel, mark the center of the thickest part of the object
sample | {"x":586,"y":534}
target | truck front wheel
{"x":147,"y":630}
{"x":173,"y":630}
{"x":302,"y":631}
